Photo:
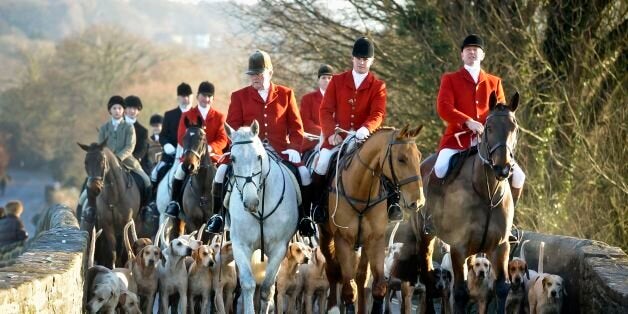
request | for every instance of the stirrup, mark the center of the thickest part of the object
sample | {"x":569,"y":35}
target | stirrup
{"x":173,"y":209}
{"x":306,"y":227}
{"x":515,"y":235}
{"x":215,"y":224}
{"x":395,"y":213}
{"x":319,"y":214}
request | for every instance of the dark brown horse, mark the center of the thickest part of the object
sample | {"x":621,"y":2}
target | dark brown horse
{"x":473,"y":212}
{"x":360,"y":218}
{"x":197,"y":195}
{"x":113,"y":198}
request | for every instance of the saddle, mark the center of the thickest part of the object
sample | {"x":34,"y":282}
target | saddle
{"x":457,"y":161}
{"x":140,"y":185}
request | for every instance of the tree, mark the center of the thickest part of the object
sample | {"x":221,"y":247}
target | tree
{"x":566,"y":58}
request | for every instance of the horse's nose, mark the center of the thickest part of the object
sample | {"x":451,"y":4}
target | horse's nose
{"x":252,"y":204}
{"x":502,"y":172}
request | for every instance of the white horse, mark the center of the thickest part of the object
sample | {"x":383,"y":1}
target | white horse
{"x":164,"y":194}
{"x":263,"y":207}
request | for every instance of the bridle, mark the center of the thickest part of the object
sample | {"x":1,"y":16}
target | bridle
{"x":489,"y":150}
{"x":249,"y":179}
{"x":200,"y":150}
{"x":393,"y":182}
{"x":101,"y":177}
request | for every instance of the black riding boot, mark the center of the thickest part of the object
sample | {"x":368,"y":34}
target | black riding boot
{"x":216,"y":223}
{"x":174,"y":207}
{"x":306,"y":226}
{"x":318,"y":198}
{"x":435,"y":186}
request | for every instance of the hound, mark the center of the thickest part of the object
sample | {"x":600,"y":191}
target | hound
{"x":172,"y":274}
{"x":200,"y":275}
{"x":480,"y":281}
{"x":313,"y":282}
{"x":224,"y":280}
{"x":547,"y":291}
{"x":519,"y":275}
{"x":287,"y":277}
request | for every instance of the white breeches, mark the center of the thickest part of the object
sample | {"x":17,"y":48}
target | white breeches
{"x":179,"y":174}
{"x":442,"y":165}
{"x":323,"y":160}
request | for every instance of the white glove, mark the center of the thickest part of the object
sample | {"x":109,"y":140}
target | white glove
{"x":293,"y":155}
{"x":362,"y":133}
{"x":334,"y":139}
{"x":474,"y":126}
{"x":169,"y":149}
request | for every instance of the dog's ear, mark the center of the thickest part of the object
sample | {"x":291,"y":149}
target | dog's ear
{"x":449,"y":276}
{"x":544,"y":283}
{"x":196,"y":256}
{"x":139,"y":258}
{"x":122,"y":298}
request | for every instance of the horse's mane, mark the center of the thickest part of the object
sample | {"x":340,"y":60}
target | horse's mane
{"x":111,"y":157}
{"x":501,"y":107}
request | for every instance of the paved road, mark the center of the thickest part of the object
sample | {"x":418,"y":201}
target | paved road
{"x":28,"y":187}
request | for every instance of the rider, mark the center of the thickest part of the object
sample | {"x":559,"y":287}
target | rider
{"x":311,"y":104}
{"x":156,"y":122}
{"x":214,"y":126}
{"x":168,"y":135}
{"x":463,"y":104}
{"x":131,"y":112}
{"x":120,"y":137}
{"x":275,"y":108}
{"x":356,"y":101}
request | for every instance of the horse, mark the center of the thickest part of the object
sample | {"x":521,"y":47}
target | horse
{"x":473,"y":212}
{"x":113,"y":197}
{"x":197,"y":194}
{"x":358,"y":215}
{"x":263,"y":205}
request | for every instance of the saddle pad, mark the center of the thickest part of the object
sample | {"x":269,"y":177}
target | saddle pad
{"x":457,"y":161}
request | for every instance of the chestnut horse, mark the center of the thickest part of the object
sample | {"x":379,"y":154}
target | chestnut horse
{"x":113,"y":198}
{"x":358,"y":215}
{"x":473,"y":212}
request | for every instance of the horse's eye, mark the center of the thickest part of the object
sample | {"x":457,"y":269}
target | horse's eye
{"x":259,"y":157}
{"x":488,"y":129}
{"x":401,"y":160}
{"x":233,"y":160}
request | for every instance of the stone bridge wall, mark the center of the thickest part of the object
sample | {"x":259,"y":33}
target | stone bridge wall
{"x":595,"y":274}
{"x":48,"y":275}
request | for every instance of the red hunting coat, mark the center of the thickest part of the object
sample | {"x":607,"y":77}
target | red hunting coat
{"x":214,"y":126}
{"x":310,"y":107}
{"x":278,"y":117}
{"x":460,"y":99}
{"x":350,"y":109}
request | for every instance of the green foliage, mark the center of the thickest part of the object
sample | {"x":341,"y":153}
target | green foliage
{"x":566,"y":58}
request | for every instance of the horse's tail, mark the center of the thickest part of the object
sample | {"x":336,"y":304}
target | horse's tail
{"x":541,"y":251}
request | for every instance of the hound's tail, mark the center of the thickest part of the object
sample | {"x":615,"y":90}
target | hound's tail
{"x":541,"y":251}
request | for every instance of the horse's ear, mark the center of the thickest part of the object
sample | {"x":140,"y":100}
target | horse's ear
{"x":103,"y":143}
{"x":255,"y":127}
{"x":514,"y":102}
{"x":404,"y":131}
{"x":199,"y":121}
{"x":415,"y":132}
{"x":229,"y":130}
{"x":186,"y":122}
{"x":83,"y":146}
{"x":492,"y":101}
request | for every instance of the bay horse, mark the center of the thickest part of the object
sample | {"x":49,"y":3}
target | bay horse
{"x":358,"y":215}
{"x":197,"y":194}
{"x":473,"y":212}
{"x":263,"y":205}
{"x":114,"y":197}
